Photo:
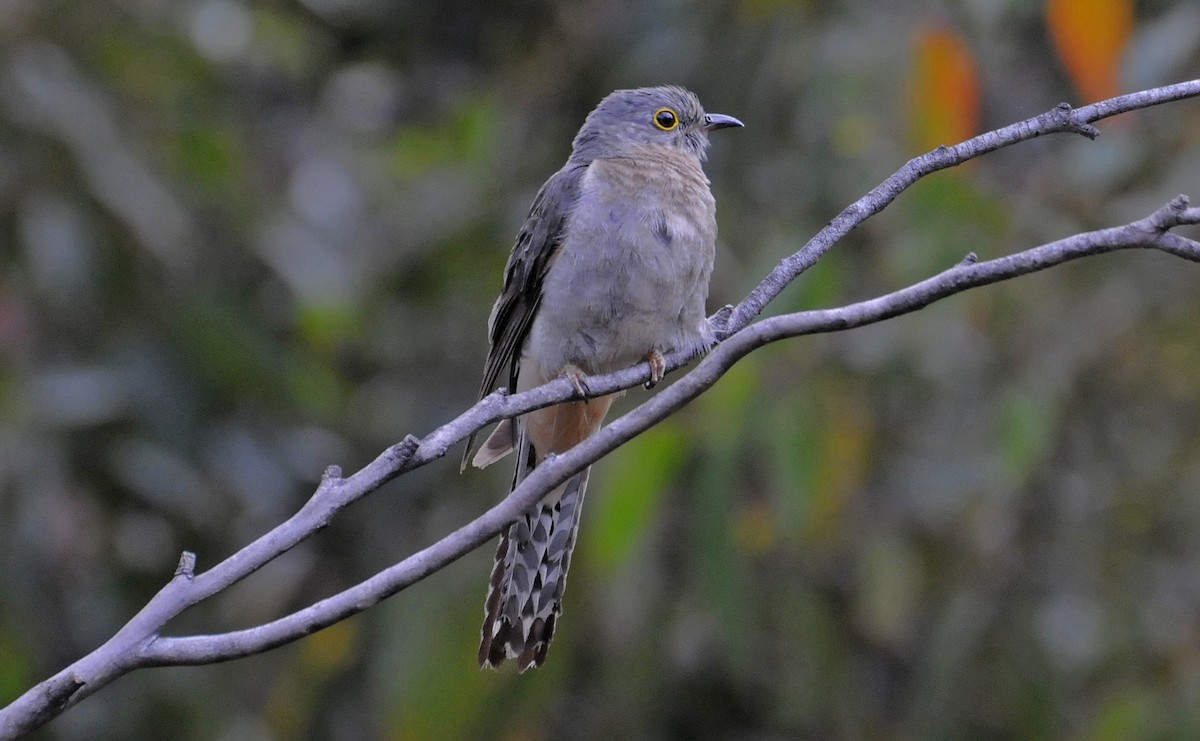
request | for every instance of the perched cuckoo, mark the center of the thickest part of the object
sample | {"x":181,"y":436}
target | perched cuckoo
{"x":610,"y":268}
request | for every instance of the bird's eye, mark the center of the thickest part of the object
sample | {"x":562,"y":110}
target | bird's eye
{"x":666,"y":119}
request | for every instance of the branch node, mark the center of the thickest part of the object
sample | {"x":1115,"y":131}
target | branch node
{"x":401,"y":453}
{"x":60,"y":692}
{"x":331,"y":478}
{"x":1065,"y":115}
{"x":403,"y":450}
{"x":970,"y":259}
{"x":187,"y":565}
{"x":1170,"y":215}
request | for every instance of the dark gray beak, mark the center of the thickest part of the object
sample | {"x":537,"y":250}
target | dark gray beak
{"x":714,"y":121}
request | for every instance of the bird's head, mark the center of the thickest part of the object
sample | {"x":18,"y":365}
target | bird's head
{"x":669,"y":116}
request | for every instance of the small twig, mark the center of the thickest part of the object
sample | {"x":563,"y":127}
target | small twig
{"x":187,"y":565}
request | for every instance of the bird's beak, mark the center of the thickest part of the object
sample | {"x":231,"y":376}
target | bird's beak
{"x":714,"y":121}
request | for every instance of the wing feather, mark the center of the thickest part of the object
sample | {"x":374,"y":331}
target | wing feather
{"x":532,"y":255}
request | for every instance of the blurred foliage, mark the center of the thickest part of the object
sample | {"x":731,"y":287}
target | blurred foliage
{"x":945,"y":88}
{"x":1090,"y":37}
{"x":240,"y":241}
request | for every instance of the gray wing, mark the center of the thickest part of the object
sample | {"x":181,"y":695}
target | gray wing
{"x":534,"y":251}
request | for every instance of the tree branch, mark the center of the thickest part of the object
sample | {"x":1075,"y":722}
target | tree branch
{"x":139,"y":644}
{"x":1060,"y":119}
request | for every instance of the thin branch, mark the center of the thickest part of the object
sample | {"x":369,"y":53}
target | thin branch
{"x":1060,"y":119}
{"x":139,"y":644}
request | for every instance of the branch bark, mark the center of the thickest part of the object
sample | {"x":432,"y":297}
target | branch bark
{"x":139,"y":643}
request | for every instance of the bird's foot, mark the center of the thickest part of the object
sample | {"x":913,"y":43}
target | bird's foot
{"x":658,"y":367}
{"x":717,"y":326}
{"x":578,"y":379}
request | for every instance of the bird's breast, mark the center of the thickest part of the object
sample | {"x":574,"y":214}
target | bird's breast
{"x":633,"y":268}
{"x":657,"y":206}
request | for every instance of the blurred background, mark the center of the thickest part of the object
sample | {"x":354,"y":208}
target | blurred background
{"x":241,"y":241}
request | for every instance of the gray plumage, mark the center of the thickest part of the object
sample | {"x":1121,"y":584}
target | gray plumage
{"x":610,"y":268}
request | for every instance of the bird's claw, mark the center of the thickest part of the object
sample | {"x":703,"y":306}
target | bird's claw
{"x":718,"y":323}
{"x":658,"y":367}
{"x":578,"y":380}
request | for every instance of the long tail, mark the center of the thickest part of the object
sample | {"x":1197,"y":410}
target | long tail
{"x":530,"y":573}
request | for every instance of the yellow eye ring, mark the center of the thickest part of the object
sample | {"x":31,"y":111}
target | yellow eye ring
{"x":666,"y":119}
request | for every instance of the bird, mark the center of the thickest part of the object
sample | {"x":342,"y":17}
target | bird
{"x":610,"y":268}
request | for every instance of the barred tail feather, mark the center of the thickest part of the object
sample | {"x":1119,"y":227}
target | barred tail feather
{"x":529,"y":577}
